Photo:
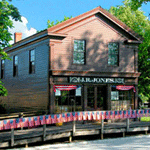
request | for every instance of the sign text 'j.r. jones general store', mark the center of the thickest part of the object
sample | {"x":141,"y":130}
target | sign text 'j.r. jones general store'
{"x":95,"y":80}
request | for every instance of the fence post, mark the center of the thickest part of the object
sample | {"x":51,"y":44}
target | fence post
{"x":127,"y":124}
{"x":44,"y":132}
{"x":21,"y":116}
{"x":12,"y":137}
{"x":102,"y":128}
{"x":74,"y":127}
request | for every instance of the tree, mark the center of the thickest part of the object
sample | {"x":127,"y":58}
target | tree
{"x":8,"y":12}
{"x":137,"y":21}
{"x":50,"y":24}
{"x":135,"y":4}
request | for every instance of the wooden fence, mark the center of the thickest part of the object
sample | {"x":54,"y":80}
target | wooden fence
{"x":44,"y":120}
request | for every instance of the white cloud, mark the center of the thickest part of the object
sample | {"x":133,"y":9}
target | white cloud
{"x":21,"y":27}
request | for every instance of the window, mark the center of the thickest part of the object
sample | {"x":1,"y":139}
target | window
{"x":15,"y":66}
{"x":2,"y":68}
{"x":32,"y":61}
{"x":113,"y":54}
{"x":63,"y":100}
{"x":121,"y":100}
{"x":79,"y":52}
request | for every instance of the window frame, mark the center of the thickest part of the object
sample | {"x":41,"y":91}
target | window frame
{"x":2,"y":69}
{"x":15,"y":66}
{"x":31,"y":66}
{"x":113,"y":55}
{"x":123,"y":100}
{"x":78,"y":51}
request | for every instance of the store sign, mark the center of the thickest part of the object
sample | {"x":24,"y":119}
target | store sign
{"x":95,"y":80}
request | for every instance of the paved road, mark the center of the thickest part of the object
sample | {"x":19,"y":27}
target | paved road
{"x":141,"y":142}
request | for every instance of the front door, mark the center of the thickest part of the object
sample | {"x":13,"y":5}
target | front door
{"x":96,"y":98}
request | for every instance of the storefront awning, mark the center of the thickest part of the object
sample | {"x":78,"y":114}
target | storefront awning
{"x":65,"y":87}
{"x":125,"y":88}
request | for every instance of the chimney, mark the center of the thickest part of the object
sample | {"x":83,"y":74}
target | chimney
{"x":17,"y":37}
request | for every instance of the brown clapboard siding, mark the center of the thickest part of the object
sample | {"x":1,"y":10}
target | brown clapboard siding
{"x":28,"y":92}
{"x":97,"y":35}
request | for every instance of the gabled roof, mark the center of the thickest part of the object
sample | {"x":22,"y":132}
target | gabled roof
{"x":97,"y":10}
{"x":55,"y":31}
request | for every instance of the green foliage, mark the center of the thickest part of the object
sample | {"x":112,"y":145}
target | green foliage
{"x":50,"y":24}
{"x":3,"y":90}
{"x":137,"y":21}
{"x":135,"y":4}
{"x":145,"y":119}
{"x":7,"y":13}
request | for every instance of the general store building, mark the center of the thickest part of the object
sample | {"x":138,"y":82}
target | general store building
{"x":91,"y":59}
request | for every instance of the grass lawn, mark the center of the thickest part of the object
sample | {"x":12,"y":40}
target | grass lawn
{"x":146,"y":119}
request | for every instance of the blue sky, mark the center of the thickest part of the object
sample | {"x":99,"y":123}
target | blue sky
{"x":36,"y":12}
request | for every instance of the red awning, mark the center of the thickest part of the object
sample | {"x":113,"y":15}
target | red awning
{"x":125,"y":88}
{"x":65,"y":87}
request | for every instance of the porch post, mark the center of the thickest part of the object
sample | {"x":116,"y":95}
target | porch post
{"x":95,"y":97}
{"x":108,"y":100}
{"x":84,"y":97}
{"x":52,"y":96}
{"x":136,"y":97}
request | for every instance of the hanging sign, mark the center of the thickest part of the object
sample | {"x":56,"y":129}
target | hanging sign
{"x":95,"y":80}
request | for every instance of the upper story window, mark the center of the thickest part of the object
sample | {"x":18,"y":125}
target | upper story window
{"x":15,"y":66}
{"x":113,"y":54}
{"x":2,"y":68}
{"x":79,"y":52}
{"x":32,"y":61}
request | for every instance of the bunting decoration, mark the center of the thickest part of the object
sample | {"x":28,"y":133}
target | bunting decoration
{"x":116,"y":114}
{"x":146,"y":112}
{"x":65,"y":87}
{"x":125,"y":88}
{"x":121,"y":114}
{"x":6,"y":124}
{"x":85,"y":115}
{"x":71,"y":116}
{"x":42,"y":120}
{"x":129,"y":113}
{"x":48,"y":119}
{"x":89,"y":115}
{"x":80,"y":116}
{"x":31,"y":121}
{"x":37,"y":121}
{"x":107,"y":114}
{"x":103,"y":113}
{"x":64,"y":117}
{"x":141,"y":113}
{"x":1,"y":125}
{"x":59,"y":118}
{"x":112,"y":114}
{"x":53,"y":118}
{"x":98,"y":115}
{"x":94,"y":115}
{"x":74,"y":116}
{"x":134,"y":114}
{"x":125,"y":113}
{"x":18,"y":122}
{"x":12,"y":123}
{"x":138,"y":113}
{"x":24,"y":122}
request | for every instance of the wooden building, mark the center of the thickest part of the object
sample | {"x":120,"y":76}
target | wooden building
{"x":91,"y":59}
